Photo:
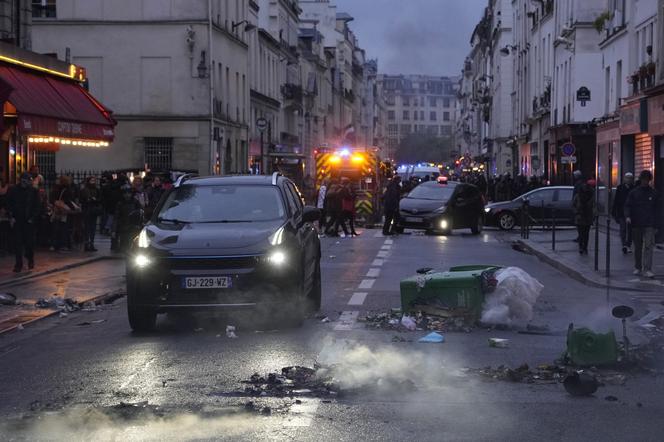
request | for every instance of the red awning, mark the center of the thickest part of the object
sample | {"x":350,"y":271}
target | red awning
{"x":54,"y":107}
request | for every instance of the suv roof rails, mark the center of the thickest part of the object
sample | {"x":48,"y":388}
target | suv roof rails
{"x":275,"y":176}
{"x":182,"y":178}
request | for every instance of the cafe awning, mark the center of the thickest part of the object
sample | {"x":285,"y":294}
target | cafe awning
{"x":49,"y":106}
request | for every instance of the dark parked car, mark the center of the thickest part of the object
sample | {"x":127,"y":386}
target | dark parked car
{"x":225,"y":243}
{"x":543,"y":205}
{"x":440,"y":207}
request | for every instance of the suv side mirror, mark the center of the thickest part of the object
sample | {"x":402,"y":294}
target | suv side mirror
{"x":310,"y":214}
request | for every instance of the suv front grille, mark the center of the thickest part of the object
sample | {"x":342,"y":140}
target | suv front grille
{"x":212,"y":263}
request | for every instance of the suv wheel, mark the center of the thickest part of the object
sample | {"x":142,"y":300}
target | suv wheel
{"x":478,"y":227}
{"x":141,"y":320}
{"x":506,"y":221}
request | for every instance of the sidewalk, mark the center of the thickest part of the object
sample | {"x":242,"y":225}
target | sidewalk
{"x":47,"y":262}
{"x":566,"y":258}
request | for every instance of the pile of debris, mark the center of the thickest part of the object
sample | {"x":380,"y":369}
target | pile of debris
{"x":546,"y":374}
{"x":292,"y":381}
{"x":426,"y":319}
{"x":65,"y":305}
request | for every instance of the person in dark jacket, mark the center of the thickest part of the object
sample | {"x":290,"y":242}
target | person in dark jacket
{"x":333,"y":207}
{"x":348,"y":197}
{"x":584,"y":213}
{"x":127,"y":220}
{"x":23,"y":210}
{"x":391,"y":200}
{"x":618,"y":211}
{"x":92,"y":209}
{"x":641,"y":214}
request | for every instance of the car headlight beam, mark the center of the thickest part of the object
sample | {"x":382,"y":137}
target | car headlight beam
{"x":487,"y":209}
{"x":444,"y":224}
{"x":142,"y":261}
{"x":277,"y":258}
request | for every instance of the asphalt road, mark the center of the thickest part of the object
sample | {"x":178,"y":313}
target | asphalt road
{"x":74,"y":378}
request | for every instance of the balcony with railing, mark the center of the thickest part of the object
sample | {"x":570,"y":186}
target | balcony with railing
{"x":643,"y":78}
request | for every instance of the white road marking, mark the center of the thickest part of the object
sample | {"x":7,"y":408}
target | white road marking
{"x":382,"y":254}
{"x":358,"y":298}
{"x":346,"y":321}
{"x":136,"y":373}
{"x":389,"y":241}
{"x":373,"y":273}
{"x":366,"y":284}
{"x":302,"y":414}
{"x":386,"y":247}
{"x":378,"y":262}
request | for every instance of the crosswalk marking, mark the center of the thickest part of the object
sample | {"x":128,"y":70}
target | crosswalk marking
{"x":378,"y":262}
{"x":373,"y":273}
{"x":366,"y":284}
{"x":358,"y":298}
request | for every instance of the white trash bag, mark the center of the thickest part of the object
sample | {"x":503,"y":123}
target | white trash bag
{"x":513,"y":299}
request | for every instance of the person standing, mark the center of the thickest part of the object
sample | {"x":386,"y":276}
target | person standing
{"x":391,"y":200}
{"x":641,"y":214}
{"x":127,"y":220}
{"x":348,"y":196}
{"x":320,"y":204}
{"x":584,"y":213}
{"x":155,"y":191}
{"x":92,"y":209}
{"x":23,"y":209}
{"x":618,"y":211}
{"x":334,"y":207}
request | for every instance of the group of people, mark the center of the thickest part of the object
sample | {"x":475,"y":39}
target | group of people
{"x":504,"y":188}
{"x":336,"y":201}
{"x":634,"y":209}
{"x":69,"y":213}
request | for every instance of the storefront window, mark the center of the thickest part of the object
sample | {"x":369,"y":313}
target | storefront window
{"x":43,"y":9}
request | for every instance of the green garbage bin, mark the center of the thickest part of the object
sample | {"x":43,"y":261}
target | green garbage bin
{"x":586,"y":348}
{"x":460,"y":290}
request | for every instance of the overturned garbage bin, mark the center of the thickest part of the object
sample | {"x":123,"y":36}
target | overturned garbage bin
{"x":458,"y":292}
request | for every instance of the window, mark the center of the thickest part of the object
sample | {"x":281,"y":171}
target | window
{"x":446,"y":116}
{"x":432,"y":130}
{"x":539,"y":196}
{"x":159,"y":153}
{"x":432,"y":101}
{"x":415,"y":115}
{"x":619,"y":83}
{"x":422,"y":115}
{"x":294,"y":201}
{"x":406,"y":115}
{"x":445,"y":130}
{"x":446,"y":102}
{"x":390,"y":115}
{"x":406,"y":129}
{"x":393,"y":130}
{"x":43,"y":9}
{"x":406,"y":101}
{"x":432,"y":116}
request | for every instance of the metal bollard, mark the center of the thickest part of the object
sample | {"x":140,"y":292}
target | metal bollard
{"x":608,"y":246}
{"x":553,"y":228}
{"x":527,"y":220}
{"x":596,"y":242}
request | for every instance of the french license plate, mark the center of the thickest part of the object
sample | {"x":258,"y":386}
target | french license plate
{"x":412,"y":219}
{"x":207,"y":282}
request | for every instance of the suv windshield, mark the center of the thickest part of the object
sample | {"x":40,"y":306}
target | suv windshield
{"x":435,"y":192}
{"x":219,"y":204}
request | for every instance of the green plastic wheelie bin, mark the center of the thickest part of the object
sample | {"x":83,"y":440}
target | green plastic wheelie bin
{"x":460,"y":290}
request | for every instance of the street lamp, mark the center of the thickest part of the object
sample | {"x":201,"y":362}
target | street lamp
{"x":248,"y":26}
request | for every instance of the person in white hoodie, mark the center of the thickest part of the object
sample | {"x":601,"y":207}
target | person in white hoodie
{"x":320,"y":204}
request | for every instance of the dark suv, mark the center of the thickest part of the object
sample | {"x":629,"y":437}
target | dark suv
{"x":225,"y":243}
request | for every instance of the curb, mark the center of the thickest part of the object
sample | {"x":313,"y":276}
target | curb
{"x":50,"y":313}
{"x":570,"y":270}
{"x":20,"y":279}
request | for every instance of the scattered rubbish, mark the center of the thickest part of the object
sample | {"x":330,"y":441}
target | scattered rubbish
{"x":98,"y":321}
{"x":499,"y":343}
{"x":408,"y":322}
{"x":198,"y":330}
{"x":292,"y":381}
{"x":423,"y":321}
{"x":513,"y":298}
{"x":433,"y":338}
{"x":7,"y":299}
{"x":611,"y":398}
{"x":320,"y":316}
{"x":19,"y":327}
{"x":63,"y":314}
{"x":544,"y":374}
{"x":396,"y":338}
{"x":325,"y":320}
{"x":424,"y":270}
{"x":587,"y":348}
{"x":89,"y":306}
{"x":66,"y":305}
{"x":230,"y":332}
{"x":580,"y":384}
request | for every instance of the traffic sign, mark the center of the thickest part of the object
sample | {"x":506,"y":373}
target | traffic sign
{"x":568,"y":160}
{"x":568,"y":149}
{"x":261,"y":124}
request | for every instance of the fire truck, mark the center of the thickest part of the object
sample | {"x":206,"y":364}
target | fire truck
{"x":366,"y":173}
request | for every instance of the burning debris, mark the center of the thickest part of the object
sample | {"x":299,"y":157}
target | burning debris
{"x":292,"y":381}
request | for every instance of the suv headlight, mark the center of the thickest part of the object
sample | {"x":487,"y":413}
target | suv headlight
{"x":142,"y":260}
{"x":143,"y":239}
{"x":487,"y":209}
{"x":277,"y":258}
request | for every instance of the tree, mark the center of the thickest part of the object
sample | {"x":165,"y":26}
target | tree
{"x":422,"y":148}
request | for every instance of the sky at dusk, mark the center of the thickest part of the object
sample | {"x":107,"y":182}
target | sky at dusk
{"x":415,"y":36}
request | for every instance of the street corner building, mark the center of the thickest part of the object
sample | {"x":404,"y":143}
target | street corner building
{"x":46,"y":109}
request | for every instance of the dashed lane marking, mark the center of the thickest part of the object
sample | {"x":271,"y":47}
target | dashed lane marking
{"x":386,"y":247}
{"x":389,"y":241}
{"x":358,"y":298}
{"x":366,"y":284}
{"x":382,"y":254}
{"x":373,"y":273}
{"x":378,"y":262}
{"x":346,"y":321}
